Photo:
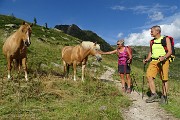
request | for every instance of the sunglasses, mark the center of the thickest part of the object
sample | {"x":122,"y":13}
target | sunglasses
{"x":118,"y":44}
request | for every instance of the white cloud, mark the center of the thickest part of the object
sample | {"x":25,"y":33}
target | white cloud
{"x":140,"y":9}
{"x":119,"y":35}
{"x":143,"y":38}
{"x":177,"y":45}
{"x":154,"y":12}
{"x":138,"y":39}
{"x":155,"y":16}
{"x":118,"y":8}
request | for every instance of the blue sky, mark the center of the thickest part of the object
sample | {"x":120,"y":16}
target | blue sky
{"x":110,"y":19}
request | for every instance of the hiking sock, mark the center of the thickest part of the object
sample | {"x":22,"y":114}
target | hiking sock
{"x":163,"y":99}
{"x":123,"y":89}
{"x":153,"y":94}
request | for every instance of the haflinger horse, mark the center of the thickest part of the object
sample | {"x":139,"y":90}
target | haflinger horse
{"x":15,"y":48}
{"x":78,"y":55}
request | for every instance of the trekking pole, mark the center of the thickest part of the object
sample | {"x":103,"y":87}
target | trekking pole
{"x":166,"y":97}
{"x":134,"y":81}
{"x":143,"y":79}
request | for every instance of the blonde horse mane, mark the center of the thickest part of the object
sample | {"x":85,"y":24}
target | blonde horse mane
{"x":24,"y":28}
{"x":89,"y":44}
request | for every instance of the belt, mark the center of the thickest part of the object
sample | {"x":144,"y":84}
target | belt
{"x":154,"y":59}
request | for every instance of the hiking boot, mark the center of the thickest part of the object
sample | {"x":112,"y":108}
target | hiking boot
{"x":128,"y":90}
{"x":123,"y":89}
{"x":154,"y":98}
{"x":163,"y":100}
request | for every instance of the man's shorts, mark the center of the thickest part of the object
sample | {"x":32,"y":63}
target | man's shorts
{"x":124,"y":69}
{"x":156,"y":66}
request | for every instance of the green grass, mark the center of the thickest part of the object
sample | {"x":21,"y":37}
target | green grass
{"x":61,"y":99}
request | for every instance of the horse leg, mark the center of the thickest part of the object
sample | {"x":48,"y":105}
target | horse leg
{"x":64,"y":65}
{"x":25,"y":68}
{"x":65,"y":69}
{"x":83,"y":69}
{"x":74,"y":68}
{"x":18,"y":65}
{"x":9,"y":66}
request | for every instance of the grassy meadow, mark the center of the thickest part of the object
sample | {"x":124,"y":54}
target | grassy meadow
{"x":48,"y":96}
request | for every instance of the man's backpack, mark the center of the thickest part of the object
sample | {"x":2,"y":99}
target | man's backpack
{"x":163,"y":43}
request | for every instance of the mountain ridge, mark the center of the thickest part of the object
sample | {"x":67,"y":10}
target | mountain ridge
{"x":85,"y":35}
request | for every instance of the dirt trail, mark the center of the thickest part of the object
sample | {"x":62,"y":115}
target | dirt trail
{"x":139,"y":109}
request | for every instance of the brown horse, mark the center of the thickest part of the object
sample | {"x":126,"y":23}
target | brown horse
{"x":78,"y":55}
{"x":15,"y":48}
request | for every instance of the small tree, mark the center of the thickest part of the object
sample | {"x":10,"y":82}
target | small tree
{"x":35,"y":21}
{"x":46,"y":26}
{"x":12,"y":15}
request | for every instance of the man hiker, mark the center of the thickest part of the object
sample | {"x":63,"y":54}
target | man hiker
{"x":159,"y":64}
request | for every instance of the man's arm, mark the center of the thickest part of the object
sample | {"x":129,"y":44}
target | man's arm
{"x":149,"y":55}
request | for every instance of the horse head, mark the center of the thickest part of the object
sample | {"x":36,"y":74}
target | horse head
{"x":94,"y":49}
{"x":26,"y":29}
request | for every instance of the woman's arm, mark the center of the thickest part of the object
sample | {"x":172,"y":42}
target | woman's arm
{"x":110,"y":52}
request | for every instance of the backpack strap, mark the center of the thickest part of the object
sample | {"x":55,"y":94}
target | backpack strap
{"x":151,"y":43}
{"x":163,"y":42}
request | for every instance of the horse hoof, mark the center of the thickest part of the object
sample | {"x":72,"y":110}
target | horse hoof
{"x":26,"y":79}
{"x":10,"y":78}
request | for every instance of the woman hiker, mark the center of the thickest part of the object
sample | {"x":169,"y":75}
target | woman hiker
{"x":124,"y":60}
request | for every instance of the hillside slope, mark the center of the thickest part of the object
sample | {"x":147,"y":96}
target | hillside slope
{"x":47,"y":95}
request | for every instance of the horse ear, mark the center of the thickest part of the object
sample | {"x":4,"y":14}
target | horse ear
{"x":95,"y":43}
{"x":23,"y":23}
